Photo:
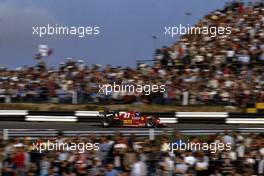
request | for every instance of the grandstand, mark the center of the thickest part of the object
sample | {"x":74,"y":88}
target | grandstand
{"x":224,"y":70}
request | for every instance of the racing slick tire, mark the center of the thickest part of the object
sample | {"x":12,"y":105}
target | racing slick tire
{"x":107,"y":121}
{"x":150,"y":123}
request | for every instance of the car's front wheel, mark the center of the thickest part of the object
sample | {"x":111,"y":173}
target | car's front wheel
{"x":107,"y":121}
{"x":150,"y":123}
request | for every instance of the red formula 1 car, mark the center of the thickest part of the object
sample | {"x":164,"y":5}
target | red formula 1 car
{"x":130,"y":119}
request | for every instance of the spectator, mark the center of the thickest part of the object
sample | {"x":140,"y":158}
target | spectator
{"x":139,"y":168}
{"x":110,"y":171}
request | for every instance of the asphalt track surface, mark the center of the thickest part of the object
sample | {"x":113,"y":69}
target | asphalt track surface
{"x":97,"y":126}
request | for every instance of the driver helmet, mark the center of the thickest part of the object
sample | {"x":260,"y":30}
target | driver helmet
{"x":137,"y":114}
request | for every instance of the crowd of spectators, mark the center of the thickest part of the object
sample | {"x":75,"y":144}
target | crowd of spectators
{"x":225,"y":70}
{"x":135,"y":156}
{"x":222,"y":67}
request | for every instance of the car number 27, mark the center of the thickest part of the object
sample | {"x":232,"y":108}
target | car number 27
{"x":126,"y":115}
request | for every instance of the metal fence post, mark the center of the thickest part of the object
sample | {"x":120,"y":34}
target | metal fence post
{"x":151,"y":134}
{"x":74,"y":97}
{"x":5,"y":134}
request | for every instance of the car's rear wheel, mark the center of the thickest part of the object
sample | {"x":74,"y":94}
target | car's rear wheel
{"x":150,"y":123}
{"x":107,"y":121}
